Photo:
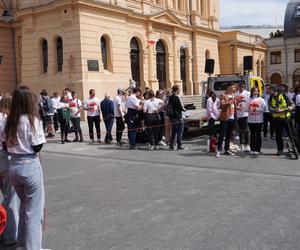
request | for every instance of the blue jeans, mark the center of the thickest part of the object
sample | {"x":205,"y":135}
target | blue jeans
{"x":109,"y":122}
{"x":132,"y":133}
{"x":11,"y":202}
{"x":26,"y":175}
{"x":226,"y":128}
{"x":177,"y":130}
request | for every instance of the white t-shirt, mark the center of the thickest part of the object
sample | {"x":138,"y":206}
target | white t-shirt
{"x":132,"y":102}
{"x":151,"y":106}
{"x":118,"y":101}
{"x":298,"y":100}
{"x":241,"y":103}
{"x":55,"y":103}
{"x":75,"y":105}
{"x":27,"y":136}
{"x":2,"y":127}
{"x":256,"y":107}
{"x":94,"y":104}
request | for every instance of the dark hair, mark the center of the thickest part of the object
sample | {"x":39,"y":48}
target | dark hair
{"x":91,"y":90}
{"x":151,"y":94}
{"x":25,"y":102}
{"x":229,"y":84}
{"x":67,"y":89}
{"x":175,"y":88}
{"x":252,"y":90}
{"x":212,"y":94}
{"x":5,"y":104}
{"x":73,"y":93}
{"x":136,"y":89}
{"x":44,"y":93}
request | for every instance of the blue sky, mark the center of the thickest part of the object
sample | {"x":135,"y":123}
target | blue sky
{"x":256,"y":12}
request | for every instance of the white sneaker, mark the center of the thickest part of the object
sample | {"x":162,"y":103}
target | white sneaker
{"x":151,"y":148}
{"x":218,"y":154}
{"x":256,"y":153}
{"x":247,"y":148}
{"x":161,"y":143}
{"x":252,"y":152}
{"x":91,"y":141}
{"x":242,"y":148}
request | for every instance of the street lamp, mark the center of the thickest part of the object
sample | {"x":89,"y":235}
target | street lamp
{"x":6,"y":15}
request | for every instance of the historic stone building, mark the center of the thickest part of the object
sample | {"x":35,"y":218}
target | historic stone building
{"x":102,"y":44}
{"x":284,"y":52}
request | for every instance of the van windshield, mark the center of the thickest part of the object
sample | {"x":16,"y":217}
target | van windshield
{"x":221,"y":85}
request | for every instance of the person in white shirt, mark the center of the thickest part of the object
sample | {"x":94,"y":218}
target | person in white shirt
{"x":92,"y":106}
{"x":55,"y":103}
{"x":119,"y":113}
{"x":24,"y":137}
{"x":151,"y":109}
{"x":11,"y":202}
{"x":297,"y":113}
{"x":242,"y":97}
{"x":267,"y":115}
{"x":76,"y":108}
{"x":256,"y":107}
{"x":212,"y":112}
{"x":133,"y":105}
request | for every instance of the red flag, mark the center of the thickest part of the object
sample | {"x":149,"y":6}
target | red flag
{"x":151,"y":42}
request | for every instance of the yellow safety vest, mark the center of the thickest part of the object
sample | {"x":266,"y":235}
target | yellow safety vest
{"x":281,"y":104}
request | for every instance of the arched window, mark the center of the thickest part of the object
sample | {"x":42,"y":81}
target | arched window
{"x":161,"y":64}
{"x":183,"y":69}
{"x":104,"y":52}
{"x":59,"y":54}
{"x":135,"y":61}
{"x":296,"y":77}
{"x":45,"y":55}
{"x":276,"y":79}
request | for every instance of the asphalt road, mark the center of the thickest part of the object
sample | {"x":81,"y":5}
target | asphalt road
{"x":102,"y":197}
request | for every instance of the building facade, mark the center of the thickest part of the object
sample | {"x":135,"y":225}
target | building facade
{"x":102,"y":44}
{"x":284,"y":52}
{"x":234,"y":46}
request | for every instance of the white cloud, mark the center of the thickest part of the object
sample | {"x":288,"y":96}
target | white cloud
{"x":256,"y":12}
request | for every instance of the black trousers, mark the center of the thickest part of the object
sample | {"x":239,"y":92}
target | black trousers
{"x":212,"y":128}
{"x":268,"y":119}
{"x":55,"y":118}
{"x":243,"y":130}
{"x":152,"y":123}
{"x":226,"y":128}
{"x":76,"y":124}
{"x":255,"y":136}
{"x":279,"y":125}
{"x":64,"y":128}
{"x":91,"y":121}
{"x":120,"y":128}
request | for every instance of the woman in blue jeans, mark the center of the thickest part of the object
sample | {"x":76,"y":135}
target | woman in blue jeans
{"x":11,"y":202}
{"x":24,"y":139}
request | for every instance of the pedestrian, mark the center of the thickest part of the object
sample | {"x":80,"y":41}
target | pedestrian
{"x":64,"y":117}
{"x":167,"y":121}
{"x":280,"y":107}
{"x":24,"y":139}
{"x":228,"y":106}
{"x":92,"y":106}
{"x":161,"y":95}
{"x":119,"y":114}
{"x":256,"y":107}
{"x":297,"y":113}
{"x":133,"y":105}
{"x":107,"y":110}
{"x":152,"y":109}
{"x":76,"y":108}
{"x":55,"y":102}
{"x":212,"y":112}
{"x":174,"y":111}
{"x":11,"y":201}
{"x":267,"y":115}
{"x":48,"y":114}
{"x":242,"y":98}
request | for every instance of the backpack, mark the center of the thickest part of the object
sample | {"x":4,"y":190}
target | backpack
{"x":170,"y":109}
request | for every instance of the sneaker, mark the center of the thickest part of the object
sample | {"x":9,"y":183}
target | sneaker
{"x":218,"y":154}
{"x":81,"y":139}
{"x":182,"y":148}
{"x":252,"y":152}
{"x":62,"y":141}
{"x":156,"y":147}
{"x":279,"y":153}
{"x":228,"y":152}
{"x":133,"y":147}
{"x":123,"y":142}
{"x":119,"y":143}
{"x":67,"y":140}
{"x":161,"y":143}
{"x":50,"y":136}
{"x":151,"y":148}
{"x":256,"y":153}
{"x":242,"y":148}
{"x":265,"y":138}
{"x":273,"y":137}
{"x":163,"y":138}
{"x":171,"y":148}
{"x":76,"y":140}
{"x":247,"y":148}
{"x":92,"y":141}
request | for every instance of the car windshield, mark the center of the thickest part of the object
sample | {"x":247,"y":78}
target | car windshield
{"x":221,"y":85}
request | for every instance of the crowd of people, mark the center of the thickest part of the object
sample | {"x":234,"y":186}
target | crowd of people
{"x":155,"y":118}
{"x":249,"y":113}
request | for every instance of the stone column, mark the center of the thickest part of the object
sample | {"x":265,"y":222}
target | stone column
{"x":176,"y":60}
{"x":153,"y":83}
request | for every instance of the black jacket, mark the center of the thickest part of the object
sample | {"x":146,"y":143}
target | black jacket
{"x":175,"y":107}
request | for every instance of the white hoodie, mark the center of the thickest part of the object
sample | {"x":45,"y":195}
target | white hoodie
{"x":256,"y":107}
